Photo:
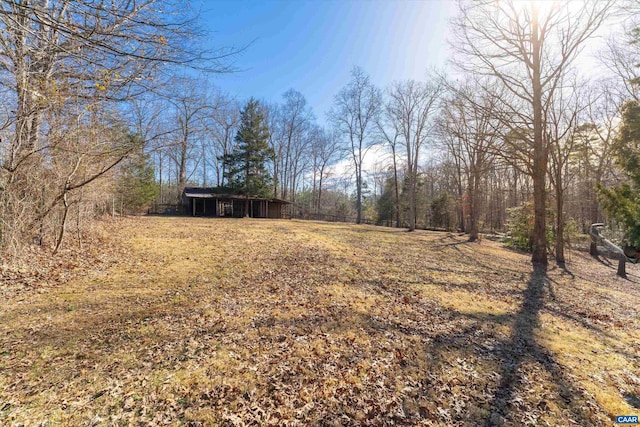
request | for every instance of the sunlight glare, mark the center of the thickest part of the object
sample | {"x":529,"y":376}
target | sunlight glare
{"x":545,"y":7}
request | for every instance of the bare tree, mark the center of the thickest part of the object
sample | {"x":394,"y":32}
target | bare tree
{"x":79,"y":156}
{"x":389,"y":131}
{"x":57,"y":49}
{"x":621,"y":54}
{"x":191,"y":107}
{"x":603,"y":109}
{"x":276,"y":142}
{"x":468,"y":132}
{"x":326,"y":148}
{"x":294,"y":130}
{"x":354,"y":113}
{"x":562,"y":120}
{"x":412,"y":106}
{"x":223,"y":123}
{"x":528,"y":47}
{"x":78,"y":57}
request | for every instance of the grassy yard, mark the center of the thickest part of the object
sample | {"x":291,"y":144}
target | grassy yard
{"x":261,"y":322}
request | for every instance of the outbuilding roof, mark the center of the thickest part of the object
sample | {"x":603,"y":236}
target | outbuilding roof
{"x":214,"y":193}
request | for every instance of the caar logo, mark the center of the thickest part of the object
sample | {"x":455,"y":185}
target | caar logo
{"x":627,"y":419}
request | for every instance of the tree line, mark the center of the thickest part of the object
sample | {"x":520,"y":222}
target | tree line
{"x":519,"y":138}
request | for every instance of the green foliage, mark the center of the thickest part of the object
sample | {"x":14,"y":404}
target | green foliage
{"x":343,"y":209}
{"x":369,"y":211}
{"x":136,"y":184}
{"x":520,"y":227}
{"x":623,"y":202}
{"x":304,"y":198}
{"x":572,"y":231}
{"x":246,"y":166}
{"x":443,"y":212}
{"x":385,"y":205}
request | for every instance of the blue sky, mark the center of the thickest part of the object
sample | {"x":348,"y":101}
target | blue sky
{"x":311,"y":46}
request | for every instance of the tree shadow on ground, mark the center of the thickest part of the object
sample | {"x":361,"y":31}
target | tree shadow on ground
{"x":612,"y":263}
{"x":602,"y":260}
{"x":632,"y":400}
{"x":565,"y":270}
{"x":522,"y":348}
{"x":452,"y":244}
{"x":447,"y":335}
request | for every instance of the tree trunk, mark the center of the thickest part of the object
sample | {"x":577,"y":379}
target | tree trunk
{"x":460,"y":209}
{"x":595,"y":209}
{"x":395,"y":179}
{"x":160,"y":196}
{"x":539,"y":255}
{"x":314,"y":194}
{"x":204,"y":166}
{"x":79,"y":218}
{"x":63,"y":226}
{"x":276,"y":171}
{"x":559,"y":219}
{"x":359,"y":194}
{"x":182,"y":171}
{"x":412,"y":200}
{"x":473,"y":211}
{"x":319,"y":192}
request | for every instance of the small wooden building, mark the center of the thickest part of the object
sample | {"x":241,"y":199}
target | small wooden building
{"x":215,"y":202}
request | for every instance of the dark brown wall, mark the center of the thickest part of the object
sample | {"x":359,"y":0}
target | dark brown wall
{"x":275,"y":210}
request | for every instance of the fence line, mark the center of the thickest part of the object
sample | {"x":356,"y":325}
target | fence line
{"x":342,"y":218}
{"x":178,"y":209}
{"x":166,"y":209}
{"x":352,"y":220}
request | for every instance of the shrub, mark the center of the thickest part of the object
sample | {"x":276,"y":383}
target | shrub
{"x":520,"y":227}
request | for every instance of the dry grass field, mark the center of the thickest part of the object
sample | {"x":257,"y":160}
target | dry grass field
{"x":206,"y":322}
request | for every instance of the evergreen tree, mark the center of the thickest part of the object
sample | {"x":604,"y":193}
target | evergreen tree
{"x":246,"y":167}
{"x":443,"y":212}
{"x":623,"y":202}
{"x":386,"y":203}
{"x":136,"y":183}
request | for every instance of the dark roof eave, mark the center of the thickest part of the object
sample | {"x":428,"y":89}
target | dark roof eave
{"x":232,"y":196}
{"x":284,"y":202}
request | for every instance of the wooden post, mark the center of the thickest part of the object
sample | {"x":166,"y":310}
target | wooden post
{"x":194,"y":207}
{"x":622,"y":263}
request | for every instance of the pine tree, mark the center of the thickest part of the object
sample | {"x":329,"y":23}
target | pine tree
{"x":385,"y":204}
{"x":247,"y":171}
{"x":623,"y":202}
{"x":136,"y":184}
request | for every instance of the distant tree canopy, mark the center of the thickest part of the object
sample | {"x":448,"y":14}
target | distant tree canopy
{"x":246,"y":166}
{"x":623,"y":201}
